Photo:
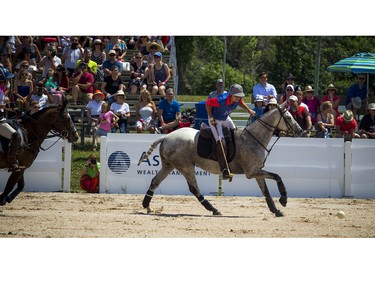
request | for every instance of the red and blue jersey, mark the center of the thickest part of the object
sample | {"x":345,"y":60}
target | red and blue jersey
{"x":222,"y":106}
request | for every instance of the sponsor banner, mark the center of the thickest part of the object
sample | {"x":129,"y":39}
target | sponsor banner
{"x":124,"y":175}
{"x":45,"y":174}
{"x":362,"y":168}
{"x":309,"y":167}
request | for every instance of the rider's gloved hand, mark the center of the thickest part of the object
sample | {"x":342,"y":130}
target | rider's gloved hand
{"x":212,"y":121}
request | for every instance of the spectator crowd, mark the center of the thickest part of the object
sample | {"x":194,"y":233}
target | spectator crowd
{"x":89,"y":71}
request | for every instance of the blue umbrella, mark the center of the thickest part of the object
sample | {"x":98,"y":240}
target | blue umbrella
{"x":359,"y":63}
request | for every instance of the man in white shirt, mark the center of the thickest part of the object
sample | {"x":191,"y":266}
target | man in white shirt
{"x":263,"y":88}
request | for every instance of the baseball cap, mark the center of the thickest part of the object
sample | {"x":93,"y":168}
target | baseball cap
{"x":293,"y":97}
{"x":158,"y":54}
{"x":112,"y":52}
{"x":236,"y":90}
{"x":219,"y":81}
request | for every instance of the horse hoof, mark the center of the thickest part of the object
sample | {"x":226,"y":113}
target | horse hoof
{"x":283,"y":200}
{"x":149,"y":210}
{"x":3,"y":202}
{"x":279,"y":214}
{"x":216,"y":213}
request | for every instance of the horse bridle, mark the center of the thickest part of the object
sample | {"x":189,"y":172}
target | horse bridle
{"x":271,"y":128}
{"x":62,"y":134}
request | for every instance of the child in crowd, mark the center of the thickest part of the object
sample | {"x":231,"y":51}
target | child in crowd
{"x":105,"y":120}
{"x":90,"y":175}
{"x":259,"y":107}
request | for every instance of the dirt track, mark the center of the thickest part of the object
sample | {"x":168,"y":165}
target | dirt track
{"x":102,"y":215}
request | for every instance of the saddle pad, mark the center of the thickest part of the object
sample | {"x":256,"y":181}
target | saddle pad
{"x":206,"y":147}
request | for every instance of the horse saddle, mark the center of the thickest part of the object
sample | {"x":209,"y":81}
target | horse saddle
{"x":4,"y":142}
{"x":206,"y":147}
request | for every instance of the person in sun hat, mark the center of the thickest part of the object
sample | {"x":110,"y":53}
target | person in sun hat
{"x":312,"y":103}
{"x":358,"y":89}
{"x":152,"y":48}
{"x":331,"y":94}
{"x":367,"y":125}
{"x":218,"y":110}
{"x":94,"y":109}
{"x":289,"y":91}
{"x":122,"y":110}
{"x":346,"y":126}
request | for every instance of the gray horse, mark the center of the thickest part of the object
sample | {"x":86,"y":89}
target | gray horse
{"x":178,"y":150}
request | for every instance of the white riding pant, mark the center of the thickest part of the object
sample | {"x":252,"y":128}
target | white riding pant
{"x":219,"y":125}
{"x":6,"y":130}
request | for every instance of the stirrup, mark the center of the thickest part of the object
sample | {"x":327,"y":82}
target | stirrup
{"x":15,"y":168}
{"x":226,"y":174}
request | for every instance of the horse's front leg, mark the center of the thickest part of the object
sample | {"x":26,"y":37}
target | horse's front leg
{"x":12,"y":180}
{"x":20,"y":187}
{"x":271,"y":204}
{"x":193,"y":188}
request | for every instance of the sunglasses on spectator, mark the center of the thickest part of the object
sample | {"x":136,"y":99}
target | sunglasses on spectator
{"x":36,"y":107}
{"x":272,"y":105}
{"x":138,"y":57}
{"x":112,"y":55}
{"x":24,"y":65}
{"x":289,"y":90}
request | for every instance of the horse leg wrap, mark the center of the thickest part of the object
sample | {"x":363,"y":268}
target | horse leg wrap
{"x":208,"y":205}
{"x":147,"y":199}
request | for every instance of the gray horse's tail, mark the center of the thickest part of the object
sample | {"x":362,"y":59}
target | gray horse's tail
{"x":151,"y":149}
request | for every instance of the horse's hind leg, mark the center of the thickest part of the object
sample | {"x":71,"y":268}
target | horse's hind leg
{"x":155,"y":182}
{"x":193,"y":187}
{"x":12,"y":180}
{"x":271,"y":205}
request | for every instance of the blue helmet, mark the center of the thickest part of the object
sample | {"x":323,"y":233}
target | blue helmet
{"x":5,"y":74}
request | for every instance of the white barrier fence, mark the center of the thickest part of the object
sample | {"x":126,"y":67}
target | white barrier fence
{"x":317,"y":168}
{"x":50,"y":170}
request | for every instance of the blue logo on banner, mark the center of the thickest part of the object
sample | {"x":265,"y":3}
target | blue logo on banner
{"x":119,"y":162}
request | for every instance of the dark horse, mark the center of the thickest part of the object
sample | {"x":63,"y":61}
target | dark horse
{"x":35,"y":129}
{"x":178,"y":150}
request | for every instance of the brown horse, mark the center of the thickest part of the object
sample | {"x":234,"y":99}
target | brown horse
{"x":178,"y":150}
{"x":35,"y":129}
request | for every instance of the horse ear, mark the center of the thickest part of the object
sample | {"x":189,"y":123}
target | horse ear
{"x":64,"y":104}
{"x":282,"y":106}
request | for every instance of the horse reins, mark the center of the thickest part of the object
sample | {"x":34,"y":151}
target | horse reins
{"x":270,"y":128}
{"x":54,"y":134}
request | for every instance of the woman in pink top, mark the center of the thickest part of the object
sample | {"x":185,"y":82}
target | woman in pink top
{"x":334,"y":98}
{"x":105,"y":120}
{"x":312,"y":103}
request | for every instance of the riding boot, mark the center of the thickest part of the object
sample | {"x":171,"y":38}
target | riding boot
{"x":15,"y":143}
{"x":221,"y":159}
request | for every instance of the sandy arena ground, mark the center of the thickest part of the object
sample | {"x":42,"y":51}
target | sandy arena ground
{"x":101,"y":215}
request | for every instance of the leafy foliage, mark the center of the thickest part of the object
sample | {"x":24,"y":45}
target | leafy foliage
{"x":200,"y":60}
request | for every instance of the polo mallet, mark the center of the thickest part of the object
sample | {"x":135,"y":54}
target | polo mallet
{"x":225,"y":156}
